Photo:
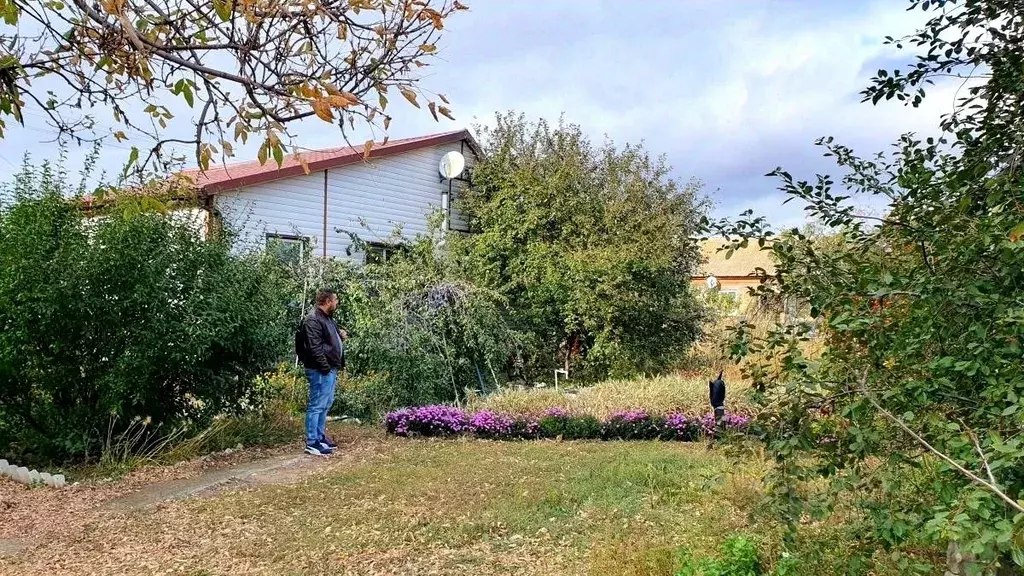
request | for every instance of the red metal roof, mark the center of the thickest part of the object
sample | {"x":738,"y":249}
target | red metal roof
{"x":235,"y":175}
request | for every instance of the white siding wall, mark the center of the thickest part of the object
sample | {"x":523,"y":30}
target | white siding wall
{"x":403,"y":189}
{"x":292,"y":206}
{"x":458,"y":222}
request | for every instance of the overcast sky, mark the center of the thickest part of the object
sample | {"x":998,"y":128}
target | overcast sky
{"x":727,"y":90}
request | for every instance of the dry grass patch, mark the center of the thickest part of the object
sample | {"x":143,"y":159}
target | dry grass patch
{"x":659,"y":395}
{"x":430,"y":507}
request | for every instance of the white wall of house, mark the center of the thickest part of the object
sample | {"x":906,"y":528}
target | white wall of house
{"x":366,"y":198}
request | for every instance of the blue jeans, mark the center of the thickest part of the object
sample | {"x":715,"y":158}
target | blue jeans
{"x":321,"y":396}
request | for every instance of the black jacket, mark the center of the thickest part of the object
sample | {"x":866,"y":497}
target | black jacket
{"x":321,"y":348}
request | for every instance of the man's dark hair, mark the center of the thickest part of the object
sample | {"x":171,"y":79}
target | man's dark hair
{"x":324,"y":296}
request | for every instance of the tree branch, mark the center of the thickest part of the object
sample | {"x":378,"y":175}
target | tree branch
{"x":990,"y":486}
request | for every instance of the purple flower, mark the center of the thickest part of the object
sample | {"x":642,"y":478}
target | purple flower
{"x":631,"y":416}
{"x":531,"y":427}
{"x":632,"y":425}
{"x":426,"y":421}
{"x":556,"y":412}
{"x":487,"y":424}
{"x":679,"y":426}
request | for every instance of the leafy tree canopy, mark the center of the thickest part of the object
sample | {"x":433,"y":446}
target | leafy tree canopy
{"x":591,"y":246}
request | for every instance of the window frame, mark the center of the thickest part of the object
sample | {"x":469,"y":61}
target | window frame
{"x":288,"y":239}
{"x":384,"y":250}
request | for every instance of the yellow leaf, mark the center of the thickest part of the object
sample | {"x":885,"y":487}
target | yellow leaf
{"x":338,"y":101}
{"x":444,"y":111}
{"x":1017,"y":232}
{"x":410,"y":96}
{"x":366,"y":148}
{"x":434,"y":16}
{"x":323,"y":110}
{"x":383,"y":102}
{"x":351,"y":97}
{"x":119,"y":136}
{"x":433,"y":110}
{"x":111,"y":6}
{"x":302,"y":162}
{"x":332,"y":90}
{"x":428,"y":48}
{"x":342,"y":31}
{"x":387,"y":122}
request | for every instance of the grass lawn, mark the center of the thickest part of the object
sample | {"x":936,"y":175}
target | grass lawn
{"x":436,"y":507}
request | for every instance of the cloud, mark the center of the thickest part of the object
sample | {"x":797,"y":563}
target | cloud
{"x":726,"y":90}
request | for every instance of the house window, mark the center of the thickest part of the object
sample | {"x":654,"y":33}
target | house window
{"x":378,"y":253}
{"x":287,"y":249}
{"x":733,"y":295}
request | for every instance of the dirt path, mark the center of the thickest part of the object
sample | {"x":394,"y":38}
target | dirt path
{"x":34,"y":517}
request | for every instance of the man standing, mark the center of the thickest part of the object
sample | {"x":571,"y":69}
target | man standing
{"x":320,"y":346}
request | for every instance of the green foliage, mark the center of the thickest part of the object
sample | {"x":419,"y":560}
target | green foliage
{"x":369,"y":395}
{"x":913,"y":410}
{"x":590,"y":246}
{"x":570,"y":427}
{"x":130,"y":316}
{"x":739,"y":557}
{"x":422,"y":331}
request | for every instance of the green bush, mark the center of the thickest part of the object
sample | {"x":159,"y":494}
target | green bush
{"x":569,"y":427}
{"x":366,"y":397}
{"x":131,"y":316}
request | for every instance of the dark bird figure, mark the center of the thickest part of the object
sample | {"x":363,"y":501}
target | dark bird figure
{"x":716,"y":392}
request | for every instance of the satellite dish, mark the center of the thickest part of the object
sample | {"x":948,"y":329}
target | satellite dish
{"x":711,"y":282}
{"x":452,"y":164}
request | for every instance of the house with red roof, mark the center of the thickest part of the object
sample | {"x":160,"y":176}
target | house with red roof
{"x":323,"y":198}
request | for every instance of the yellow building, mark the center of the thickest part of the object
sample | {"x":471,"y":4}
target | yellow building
{"x":733,"y":276}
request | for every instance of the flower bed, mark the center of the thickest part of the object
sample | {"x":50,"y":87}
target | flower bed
{"x":427,"y":421}
{"x":557,"y":423}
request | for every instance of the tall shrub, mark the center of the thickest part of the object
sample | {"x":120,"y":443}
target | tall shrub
{"x":591,"y":246}
{"x":127,"y":316}
{"x":913,"y":412}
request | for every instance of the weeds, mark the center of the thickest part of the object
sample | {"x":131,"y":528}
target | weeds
{"x":269,"y":428}
{"x":135,"y":446}
{"x":140,"y":444}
